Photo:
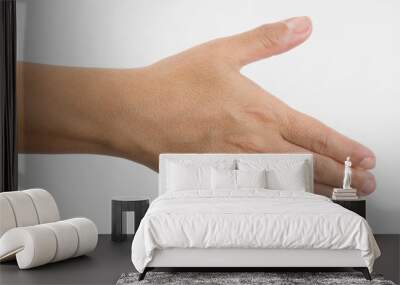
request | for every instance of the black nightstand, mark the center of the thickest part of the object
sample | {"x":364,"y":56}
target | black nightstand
{"x":357,"y":206}
{"x":119,"y":207}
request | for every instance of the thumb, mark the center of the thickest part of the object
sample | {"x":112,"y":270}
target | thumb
{"x":268,"y":40}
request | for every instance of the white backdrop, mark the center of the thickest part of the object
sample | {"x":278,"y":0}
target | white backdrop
{"x":346,"y":75}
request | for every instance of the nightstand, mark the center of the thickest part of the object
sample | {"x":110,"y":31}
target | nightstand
{"x":356,"y":206}
{"x":119,"y":207}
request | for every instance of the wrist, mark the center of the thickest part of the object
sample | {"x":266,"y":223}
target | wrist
{"x":124,"y":132}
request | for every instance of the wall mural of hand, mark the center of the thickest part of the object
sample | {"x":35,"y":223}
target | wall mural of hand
{"x":196,"y":101}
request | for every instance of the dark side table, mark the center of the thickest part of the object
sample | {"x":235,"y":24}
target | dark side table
{"x":356,"y":206}
{"x":119,"y":207}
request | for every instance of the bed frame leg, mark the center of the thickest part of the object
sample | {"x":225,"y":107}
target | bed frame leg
{"x":364,"y":271}
{"x":143,"y":274}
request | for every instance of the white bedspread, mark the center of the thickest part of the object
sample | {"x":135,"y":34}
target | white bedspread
{"x":250,"y":219}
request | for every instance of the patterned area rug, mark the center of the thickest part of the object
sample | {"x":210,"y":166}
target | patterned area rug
{"x":269,"y":278}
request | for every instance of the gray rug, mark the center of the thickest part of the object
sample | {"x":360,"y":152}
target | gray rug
{"x":268,"y":278}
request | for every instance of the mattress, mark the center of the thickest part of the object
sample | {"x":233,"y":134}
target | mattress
{"x":252,"y":219}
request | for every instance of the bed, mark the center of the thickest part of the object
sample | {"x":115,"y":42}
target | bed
{"x":247,"y":211}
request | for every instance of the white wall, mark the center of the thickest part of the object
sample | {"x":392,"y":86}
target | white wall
{"x":347,"y":75}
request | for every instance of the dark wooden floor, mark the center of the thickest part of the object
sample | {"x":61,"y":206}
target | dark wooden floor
{"x":102,"y":266}
{"x":110,"y":260}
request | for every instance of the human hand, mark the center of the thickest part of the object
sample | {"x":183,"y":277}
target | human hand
{"x":198,"y":101}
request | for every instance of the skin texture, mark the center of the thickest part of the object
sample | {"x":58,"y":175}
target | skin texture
{"x":196,"y":101}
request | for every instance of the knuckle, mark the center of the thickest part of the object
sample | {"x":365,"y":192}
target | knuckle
{"x":248,"y":144}
{"x":320,"y":143}
{"x":264,"y":116}
{"x":271,"y":36}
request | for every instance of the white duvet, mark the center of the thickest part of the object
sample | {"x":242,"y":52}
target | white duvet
{"x":251,"y":218}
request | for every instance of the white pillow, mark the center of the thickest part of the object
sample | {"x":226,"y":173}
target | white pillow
{"x":188,"y":177}
{"x":281,"y":174}
{"x":292,"y":178}
{"x":223,"y":179}
{"x":251,"y":178}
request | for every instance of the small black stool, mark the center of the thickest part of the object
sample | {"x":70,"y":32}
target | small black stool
{"x":119,"y":207}
{"x":357,"y":206}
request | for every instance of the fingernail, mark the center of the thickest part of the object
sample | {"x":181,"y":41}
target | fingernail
{"x":368,"y":162}
{"x":298,"y":25}
{"x":369,"y":186}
